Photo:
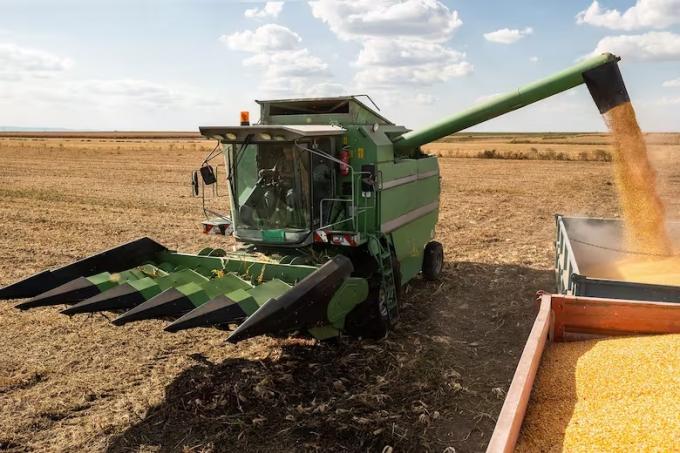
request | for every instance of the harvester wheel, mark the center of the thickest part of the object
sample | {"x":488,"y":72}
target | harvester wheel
{"x":370,"y":319}
{"x":433,"y":261}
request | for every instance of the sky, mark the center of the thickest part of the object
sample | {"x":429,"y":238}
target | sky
{"x":178,"y":64}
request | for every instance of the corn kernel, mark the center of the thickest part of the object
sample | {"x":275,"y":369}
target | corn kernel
{"x":619,"y":394}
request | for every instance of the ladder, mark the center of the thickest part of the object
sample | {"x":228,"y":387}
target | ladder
{"x":378,"y":246}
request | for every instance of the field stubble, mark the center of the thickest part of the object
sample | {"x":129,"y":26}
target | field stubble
{"x":438,"y":380}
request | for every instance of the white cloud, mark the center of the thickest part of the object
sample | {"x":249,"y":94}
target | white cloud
{"x":137,"y":92}
{"x":675,"y":83}
{"x":657,"y":46}
{"x":326,"y":89}
{"x":402,"y":43}
{"x":507,"y":35}
{"x":644,"y":14}
{"x":352,"y":19}
{"x":486,"y":98}
{"x":284,"y":66}
{"x":270,"y":9}
{"x":106,"y":93}
{"x":394,"y":63}
{"x":533,"y":59}
{"x":387,"y":64}
{"x":425,"y":99}
{"x":669,"y":101}
{"x":267,"y":38}
{"x":405,"y":52}
{"x":18,"y":63}
{"x":293,"y":72}
{"x":295,"y":63}
{"x":387,"y":78}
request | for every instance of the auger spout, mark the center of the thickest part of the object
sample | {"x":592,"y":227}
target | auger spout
{"x":601,"y":73}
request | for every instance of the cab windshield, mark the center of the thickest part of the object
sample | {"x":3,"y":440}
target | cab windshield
{"x":270,"y":191}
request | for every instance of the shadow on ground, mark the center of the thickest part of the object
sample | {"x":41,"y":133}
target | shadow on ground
{"x":437,"y":381}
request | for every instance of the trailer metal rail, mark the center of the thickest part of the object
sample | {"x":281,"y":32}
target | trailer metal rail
{"x":576,"y":256}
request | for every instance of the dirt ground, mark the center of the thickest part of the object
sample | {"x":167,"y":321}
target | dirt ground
{"x":435,"y":384}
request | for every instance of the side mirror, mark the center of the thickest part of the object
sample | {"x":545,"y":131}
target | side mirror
{"x":194,"y":184}
{"x":208,"y":175}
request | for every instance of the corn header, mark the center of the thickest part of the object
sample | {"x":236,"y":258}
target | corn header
{"x":334,"y":206}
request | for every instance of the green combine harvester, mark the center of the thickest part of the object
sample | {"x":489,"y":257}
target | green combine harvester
{"x":334,"y":205}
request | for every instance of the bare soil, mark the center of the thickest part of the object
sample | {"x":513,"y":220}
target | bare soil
{"x":437,"y":381}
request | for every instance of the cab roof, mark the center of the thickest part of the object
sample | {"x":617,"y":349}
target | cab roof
{"x":269,"y":133}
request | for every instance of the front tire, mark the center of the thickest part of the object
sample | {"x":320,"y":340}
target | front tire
{"x":433,"y":261}
{"x":370,"y":318}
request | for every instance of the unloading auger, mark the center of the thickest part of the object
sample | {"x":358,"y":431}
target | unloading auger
{"x":334,"y":205}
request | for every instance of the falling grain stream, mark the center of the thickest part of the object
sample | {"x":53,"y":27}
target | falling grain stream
{"x":650,"y":248}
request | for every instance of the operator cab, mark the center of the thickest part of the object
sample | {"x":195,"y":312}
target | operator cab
{"x":278,"y":178}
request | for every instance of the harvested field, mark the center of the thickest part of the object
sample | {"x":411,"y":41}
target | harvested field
{"x":537,"y":146}
{"x":100,"y":136}
{"x":438,"y":381}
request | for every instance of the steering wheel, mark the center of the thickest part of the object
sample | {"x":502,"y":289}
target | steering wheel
{"x":269,"y":175}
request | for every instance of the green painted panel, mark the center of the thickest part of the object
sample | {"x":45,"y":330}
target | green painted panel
{"x":403,"y":199}
{"x":166,"y":266}
{"x":225,"y":284}
{"x":250,"y":269}
{"x":247,"y":303}
{"x":384,"y":153}
{"x":103,"y":281}
{"x":131,"y":274}
{"x":409,"y":244}
{"x":100,"y":278}
{"x":106,"y":280}
{"x":352,"y":292}
{"x":269,"y":290}
{"x":194,"y":292}
{"x":324,"y":332}
{"x":428,"y":164}
{"x":149,"y":270}
{"x":180,"y":278}
{"x":148,"y":287}
{"x":274,"y":235}
{"x":399,"y":169}
{"x":258,"y":271}
{"x":203,"y":264}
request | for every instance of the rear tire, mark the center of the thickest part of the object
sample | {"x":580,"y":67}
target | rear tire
{"x":433,"y":261}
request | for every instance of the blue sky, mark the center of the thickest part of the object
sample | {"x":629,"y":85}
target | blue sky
{"x":177,"y":64}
